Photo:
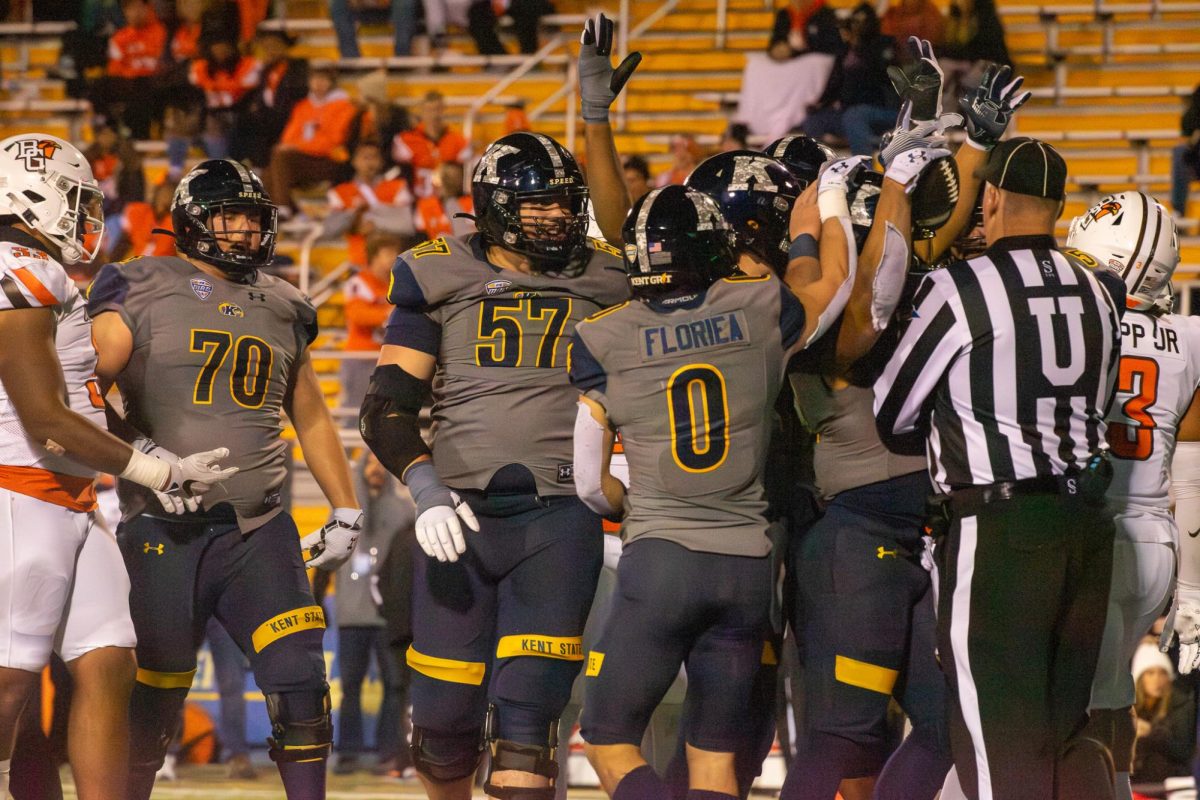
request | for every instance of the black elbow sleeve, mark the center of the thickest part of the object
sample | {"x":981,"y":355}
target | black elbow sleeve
{"x":388,"y":419}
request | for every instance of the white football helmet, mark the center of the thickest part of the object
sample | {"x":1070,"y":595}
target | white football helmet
{"x":1134,"y":236}
{"x":48,"y":184}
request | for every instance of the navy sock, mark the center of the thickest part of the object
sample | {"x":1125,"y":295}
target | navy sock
{"x":303,"y":780}
{"x":642,"y":783}
{"x":702,"y":794}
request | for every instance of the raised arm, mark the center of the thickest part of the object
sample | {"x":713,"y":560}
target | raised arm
{"x":599,"y":85}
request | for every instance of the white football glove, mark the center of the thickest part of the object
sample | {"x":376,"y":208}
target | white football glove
{"x":440,"y":514}
{"x":330,"y":547}
{"x":1184,"y":622}
{"x":833,"y":183}
{"x":171,"y":503}
{"x":908,"y":165}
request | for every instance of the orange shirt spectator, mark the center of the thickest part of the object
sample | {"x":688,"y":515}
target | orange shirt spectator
{"x":428,"y":144}
{"x":436,"y":214}
{"x":319,"y":125}
{"x":368,"y":204}
{"x":223,"y":88}
{"x":185,"y":44}
{"x":138,"y":223}
{"x":250,"y":13}
{"x":920,"y":18}
{"x":136,"y":50}
{"x":367,"y":310}
{"x":687,"y":156}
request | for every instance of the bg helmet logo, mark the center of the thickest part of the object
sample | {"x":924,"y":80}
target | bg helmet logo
{"x":34,"y":152}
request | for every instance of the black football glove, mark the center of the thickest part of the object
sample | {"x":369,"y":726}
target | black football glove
{"x":989,"y":108}
{"x":599,"y":83}
{"x":921,"y":83}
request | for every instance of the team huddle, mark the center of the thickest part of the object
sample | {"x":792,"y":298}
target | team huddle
{"x":982,"y":532}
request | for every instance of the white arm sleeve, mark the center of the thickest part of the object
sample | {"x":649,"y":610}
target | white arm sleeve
{"x":1185,"y":482}
{"x":838,"y":303}
{"x":889,"y":277}
{"x":589,"y":457}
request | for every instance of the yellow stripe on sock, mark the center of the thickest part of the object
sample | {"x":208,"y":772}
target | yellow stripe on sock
{"x":864,"y":675}
{"x":165,"y":680}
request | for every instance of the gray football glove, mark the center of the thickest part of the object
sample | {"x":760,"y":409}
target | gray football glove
{"x":599,"y":83}
{"x":989,"y":108}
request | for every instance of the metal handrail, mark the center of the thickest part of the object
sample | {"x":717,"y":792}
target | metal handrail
{"x":508,"y":80}
{"x":310,"y":241}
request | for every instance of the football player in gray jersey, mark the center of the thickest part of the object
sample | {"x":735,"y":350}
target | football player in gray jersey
{"x":688,"y":374}
{"x":498,"y":613}
{"x":206,"y":347}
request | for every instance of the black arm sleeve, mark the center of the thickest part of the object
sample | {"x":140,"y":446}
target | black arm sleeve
{"x":388,"y":419}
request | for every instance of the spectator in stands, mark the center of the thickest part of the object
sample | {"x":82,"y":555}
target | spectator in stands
{"x":135,"y":55}
{"x":135,"y":231}
{"x":515,"y":118}
{"x":368,"y":203}
{"x":804,"y":26}
{"x":637,"y":176}
{"x":686,"y":155}
{"x":250,"y":14}
{"x":974,"y":37}
{"x":379,"y":118}
{"x":526,"y":14}
{"x":859,"y":103}
{"x":313,"y":146}
{"x":225,"y":77}
{"x":437,"y":214}
{"x":477,"y":16}
{"x":367,"y":311}
{"x":735,"y":137}
{"x":421,"y":148}
{"x":1185,"y":160}
{"x":361,"y":628}
{"x":282,"y":84}
{"x":346,"y":14}
{"x":117,"y":167}
{"x":185,"y":37}
{"x":920,"y":18}
{"x":1166,"y":718}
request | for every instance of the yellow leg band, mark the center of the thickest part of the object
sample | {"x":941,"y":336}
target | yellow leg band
{"x":594,"y":662}
{"x":166,"y":680}
{"x":446,"y":669}
{"x":864,"y":675}
{"x":287,"y":623}
{"x":566,"y":648}
{"x":768,"y":655}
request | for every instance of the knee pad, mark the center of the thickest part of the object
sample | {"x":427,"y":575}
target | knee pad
{"x":532,"y":758}
{"x":445,"y":758}
{"x":301,"y":725}
{"x":154,"y":718}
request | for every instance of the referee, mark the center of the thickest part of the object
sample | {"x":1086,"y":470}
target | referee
{"x":1005,"y":375}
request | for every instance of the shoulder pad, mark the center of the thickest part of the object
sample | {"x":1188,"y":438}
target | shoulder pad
{"x":30,"y":278}
{"x":604,"y":312}
{"x":434,"y":271}
{"x":746,"y":278}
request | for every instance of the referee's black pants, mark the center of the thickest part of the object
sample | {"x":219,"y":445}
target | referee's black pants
{"x":1023,"y":594}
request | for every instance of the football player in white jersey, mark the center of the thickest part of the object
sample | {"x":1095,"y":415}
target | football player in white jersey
{"x":1133,"y":235}
{"x":63,"y":584}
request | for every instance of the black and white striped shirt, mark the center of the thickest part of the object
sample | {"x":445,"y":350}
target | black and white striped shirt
{"x":1007,"y":368}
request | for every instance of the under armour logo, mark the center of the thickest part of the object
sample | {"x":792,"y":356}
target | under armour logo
{"x":917,"y":157}
{"x":34,"y":152}
{"x":259,"y":296}
{"x":880,"y":552}
{"x":147,"y":548}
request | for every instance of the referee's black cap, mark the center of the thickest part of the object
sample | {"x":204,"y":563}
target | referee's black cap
{"x":1027,"y":166}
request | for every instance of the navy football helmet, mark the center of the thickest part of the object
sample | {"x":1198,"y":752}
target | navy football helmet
{"x":801,"y":155}
{"x":677,"y":244}
{"x":755,"y":194}
{"x":522,"y":170}
{"x":211,"y":193}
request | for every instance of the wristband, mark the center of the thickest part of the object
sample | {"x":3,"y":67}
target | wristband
{"x":426,"y":487}
{"x":987,"y":148}
{"x":151,"y":472}
{"x":832,"y":203}
{"x":803,"y":246}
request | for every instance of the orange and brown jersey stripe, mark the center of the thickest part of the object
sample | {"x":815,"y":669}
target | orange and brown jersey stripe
{"x":35,"y":287}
